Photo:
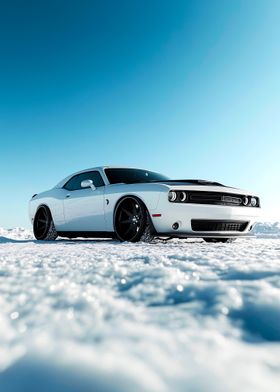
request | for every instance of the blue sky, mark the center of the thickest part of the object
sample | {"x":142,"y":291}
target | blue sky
{"x":187,"y":88}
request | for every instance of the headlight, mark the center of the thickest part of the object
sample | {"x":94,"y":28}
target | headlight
{"x":245,"y":200}
{"x":254,"y":201}
{"x":182,"y":196}
{"x":172,"y":196}
{"x":178,"y":196}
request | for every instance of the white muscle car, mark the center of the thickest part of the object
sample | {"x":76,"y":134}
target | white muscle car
{"x":137,"y":205}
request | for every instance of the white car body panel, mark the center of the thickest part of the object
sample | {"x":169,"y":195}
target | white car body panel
{"x":88,"y":210}
{"x":84,"y":210}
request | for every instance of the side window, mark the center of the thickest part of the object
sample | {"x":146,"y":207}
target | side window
{"x":75,"y":182}
{"x":95,"y":176}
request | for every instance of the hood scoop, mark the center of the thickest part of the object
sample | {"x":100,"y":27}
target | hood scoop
{"x":191,"y":182}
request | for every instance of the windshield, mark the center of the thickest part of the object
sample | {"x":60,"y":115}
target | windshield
{"x":132,"y":176}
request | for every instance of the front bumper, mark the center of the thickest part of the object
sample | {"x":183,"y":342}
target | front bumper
{"x":183,"y":214}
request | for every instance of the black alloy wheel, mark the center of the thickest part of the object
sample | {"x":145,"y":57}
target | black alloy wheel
{"x":131,"y":220}
{"x":43,"y":226}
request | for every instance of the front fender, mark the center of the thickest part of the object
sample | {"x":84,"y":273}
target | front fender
{"x":149,"y":196}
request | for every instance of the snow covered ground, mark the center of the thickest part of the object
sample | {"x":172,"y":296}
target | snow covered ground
{"x":83,"y":316}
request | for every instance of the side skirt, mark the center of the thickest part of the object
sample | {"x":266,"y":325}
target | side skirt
{"x":86,"y":234}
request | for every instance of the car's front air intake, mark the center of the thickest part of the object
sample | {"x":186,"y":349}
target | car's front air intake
{"x":218,"y":225}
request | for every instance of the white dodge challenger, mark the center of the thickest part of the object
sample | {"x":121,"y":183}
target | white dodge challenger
{"x":137,"y":205}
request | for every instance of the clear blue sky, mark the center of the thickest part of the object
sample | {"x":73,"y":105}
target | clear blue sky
{"x":187,"y":88}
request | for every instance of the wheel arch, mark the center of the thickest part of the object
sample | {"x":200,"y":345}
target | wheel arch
{"x":38,"y":208}
{"x":123,"y":197}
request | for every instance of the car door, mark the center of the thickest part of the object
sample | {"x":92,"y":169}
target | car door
{"x":84,"y":207}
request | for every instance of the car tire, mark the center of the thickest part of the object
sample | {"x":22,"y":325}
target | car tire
{"x":132,"y":222}
{"x":43,"y":225}
{"x":223,"y":240}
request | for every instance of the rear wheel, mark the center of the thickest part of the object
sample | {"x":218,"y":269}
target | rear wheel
{"x":132,"y":221}
{"x":224,"y":240}
{"x":43,"y":226}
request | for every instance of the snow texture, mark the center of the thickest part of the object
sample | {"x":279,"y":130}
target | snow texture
{"x":183,"y":315}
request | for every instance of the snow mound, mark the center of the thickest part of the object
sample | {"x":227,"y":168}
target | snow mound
{"x":17,"y":233}
{"x":267,"y":229}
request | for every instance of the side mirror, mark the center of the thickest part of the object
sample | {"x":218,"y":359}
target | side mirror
{"x":88,"y":184}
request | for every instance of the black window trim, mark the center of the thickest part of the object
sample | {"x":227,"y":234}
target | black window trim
{"x":78,"y":174}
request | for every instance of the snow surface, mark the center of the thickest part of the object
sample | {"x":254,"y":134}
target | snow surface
{"x":83,"y":316}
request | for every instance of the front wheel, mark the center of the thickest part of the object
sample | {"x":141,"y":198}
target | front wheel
{"x":132,"y":221}
{"x":43,"y":226}
{"x":224,"y":240}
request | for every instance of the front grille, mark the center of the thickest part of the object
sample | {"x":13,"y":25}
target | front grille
{"x":216,"y":198}
{"x":213,"y":198}
{"x":218,"y":225}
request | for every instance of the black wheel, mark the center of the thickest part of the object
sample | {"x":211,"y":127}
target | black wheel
{"x":132,"y":221}
{"x":43,"y":226}
{"x":224,"y":240}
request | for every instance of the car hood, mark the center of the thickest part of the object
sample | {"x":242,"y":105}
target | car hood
{"x":190,"y":182}
{"x":201,"y":185}
{"x":185,"y":185}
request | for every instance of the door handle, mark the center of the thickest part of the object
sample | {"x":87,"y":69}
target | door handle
{"x":67,"y":196}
